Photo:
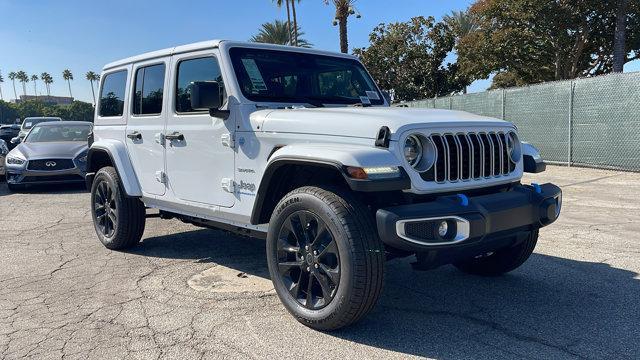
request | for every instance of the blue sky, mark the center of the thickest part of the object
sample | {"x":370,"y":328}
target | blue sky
{"x":83,"y":35}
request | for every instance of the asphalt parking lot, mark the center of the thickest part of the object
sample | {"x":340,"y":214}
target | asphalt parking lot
{"x":187,"y":292}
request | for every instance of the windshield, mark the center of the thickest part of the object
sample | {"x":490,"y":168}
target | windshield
{"x":29,"y":123}
{"x":51,"y":133}
{"x":284,"y":76}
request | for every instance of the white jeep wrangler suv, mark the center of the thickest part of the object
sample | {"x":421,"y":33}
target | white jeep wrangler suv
{"x":300,"y":147}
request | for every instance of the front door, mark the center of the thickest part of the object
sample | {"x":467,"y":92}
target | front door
{"x":199,"y":162}
{"x":146,"y":124}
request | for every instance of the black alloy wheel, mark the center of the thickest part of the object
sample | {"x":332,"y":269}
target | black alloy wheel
{"x":105,"y":208}
{"x":118,"y":219}
{"x":308,"y":260}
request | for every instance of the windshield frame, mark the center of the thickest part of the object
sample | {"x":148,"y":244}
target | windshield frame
{"x":301,"y":99}
{"x":30,"y":134}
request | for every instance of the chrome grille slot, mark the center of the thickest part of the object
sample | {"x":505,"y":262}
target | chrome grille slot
{"x":469,"y":156}
{"x":454,"y":157}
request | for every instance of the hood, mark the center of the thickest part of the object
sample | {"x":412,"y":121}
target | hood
{"x":363,"y":122}
{"x":52,"y":150}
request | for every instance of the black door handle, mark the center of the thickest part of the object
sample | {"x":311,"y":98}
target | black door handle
{"x":174,"y":136}
{"x":134,"y":136}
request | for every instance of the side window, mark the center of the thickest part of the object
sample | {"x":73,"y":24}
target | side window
{"x":147,"y":93}
{"x":192,"y":70}
{"x":112,"y":94}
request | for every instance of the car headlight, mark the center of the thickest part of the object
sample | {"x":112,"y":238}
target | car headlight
{"x":419,"y":152}
{"x":412,"y":149}
{"x":15,"y":160}
{"x":513,"y":147}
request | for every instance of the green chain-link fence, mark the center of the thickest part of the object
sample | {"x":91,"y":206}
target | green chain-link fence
{"x":590,"y":122}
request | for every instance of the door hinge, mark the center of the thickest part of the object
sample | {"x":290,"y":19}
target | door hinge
{"x":228,"y":140}
{"x":160,"y":138}
{"x":228,"y":185}
{"x":161,"y":177}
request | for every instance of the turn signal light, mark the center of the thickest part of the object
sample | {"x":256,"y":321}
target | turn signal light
{"x":373,"y":173}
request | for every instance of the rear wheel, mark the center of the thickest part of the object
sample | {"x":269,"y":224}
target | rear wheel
{"x":325,"y":258}
{"x":501,"y":261}
{"x":118,"y":220}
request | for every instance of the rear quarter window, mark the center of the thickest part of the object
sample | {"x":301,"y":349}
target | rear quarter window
{"x":112,"y":94}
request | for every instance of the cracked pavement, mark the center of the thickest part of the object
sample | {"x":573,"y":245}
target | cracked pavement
{"x":186,"y":292}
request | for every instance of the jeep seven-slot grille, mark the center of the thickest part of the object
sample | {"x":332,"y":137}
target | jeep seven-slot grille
{"x":469,"y":156}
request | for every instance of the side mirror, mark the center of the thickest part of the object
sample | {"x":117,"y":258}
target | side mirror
{"x":387,"y":96}
{"x":207,"y":95}
{"x":16,"y":140}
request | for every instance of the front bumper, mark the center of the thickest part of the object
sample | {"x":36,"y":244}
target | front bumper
{"x":481,"y":222}
{"x":23,"y":176}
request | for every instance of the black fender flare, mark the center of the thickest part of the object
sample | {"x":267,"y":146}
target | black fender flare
{"x":381,"y":185}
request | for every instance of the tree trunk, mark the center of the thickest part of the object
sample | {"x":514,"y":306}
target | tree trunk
{"x":295,"y":23}
{"x":93,"y":93}
{"x":24,"y":88}
{"x":1,"y":97}
{"x":69,"y":83}
{"x":619,"y":46}
{"x":35,"y":89}
{"x":289,"y":23}
{"x":15,"y":93}
{"x":344,"y":44}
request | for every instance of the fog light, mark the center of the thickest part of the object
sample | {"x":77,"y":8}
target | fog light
{"x":443,"y":228}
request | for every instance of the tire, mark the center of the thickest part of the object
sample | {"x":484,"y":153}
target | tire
{"x":501,"y":261}
{"x":349,"y":247}
{"x":118,"y":219}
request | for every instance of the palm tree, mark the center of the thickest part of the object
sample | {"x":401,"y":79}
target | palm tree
{"x":34,"y":78}
{"x":279,"y":4}
{"x":68,"y":76}
{"x":344,"y":9}
{"x":47,"y":80}
{"x":462,"y":22}
{"x":91,"y":76}
{"x":295,"y":22}
{"x":277,"y":32}
{"x":13,"y":76}
{"x":24,"y":79}
{"x":619,"y":39}
{"x":1,"y":81}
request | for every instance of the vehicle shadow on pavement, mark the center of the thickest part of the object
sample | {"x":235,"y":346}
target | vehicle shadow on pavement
{"x":549,"y":308}
{"x":209,"y":246}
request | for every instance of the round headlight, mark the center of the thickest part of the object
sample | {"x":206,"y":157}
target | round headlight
{"x":513,"y":147}
{"x":412,"y":150}
{"x":419,"y":152}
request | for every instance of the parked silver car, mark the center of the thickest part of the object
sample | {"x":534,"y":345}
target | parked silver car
{"x":4,"y":150}
{"x":52,"y":152}
{"x":29,"y":122}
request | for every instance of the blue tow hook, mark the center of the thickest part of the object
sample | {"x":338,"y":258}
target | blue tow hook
{"x":537,"y":188}
{"x":464,"y":200}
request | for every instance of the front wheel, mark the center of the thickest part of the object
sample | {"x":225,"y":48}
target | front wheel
{"x":118,"y":219}
{"x":501,"y":261}
{"x":325,"y":258}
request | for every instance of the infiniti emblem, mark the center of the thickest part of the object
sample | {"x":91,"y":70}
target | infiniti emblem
{"x":50,"y":163}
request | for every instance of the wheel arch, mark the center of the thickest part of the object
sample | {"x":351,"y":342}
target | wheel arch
{"x":113,"y":153}
{"x":321,"y":171}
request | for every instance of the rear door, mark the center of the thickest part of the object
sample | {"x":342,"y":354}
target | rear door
{"x":200,"y":161}
{"x":146,"y":124}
